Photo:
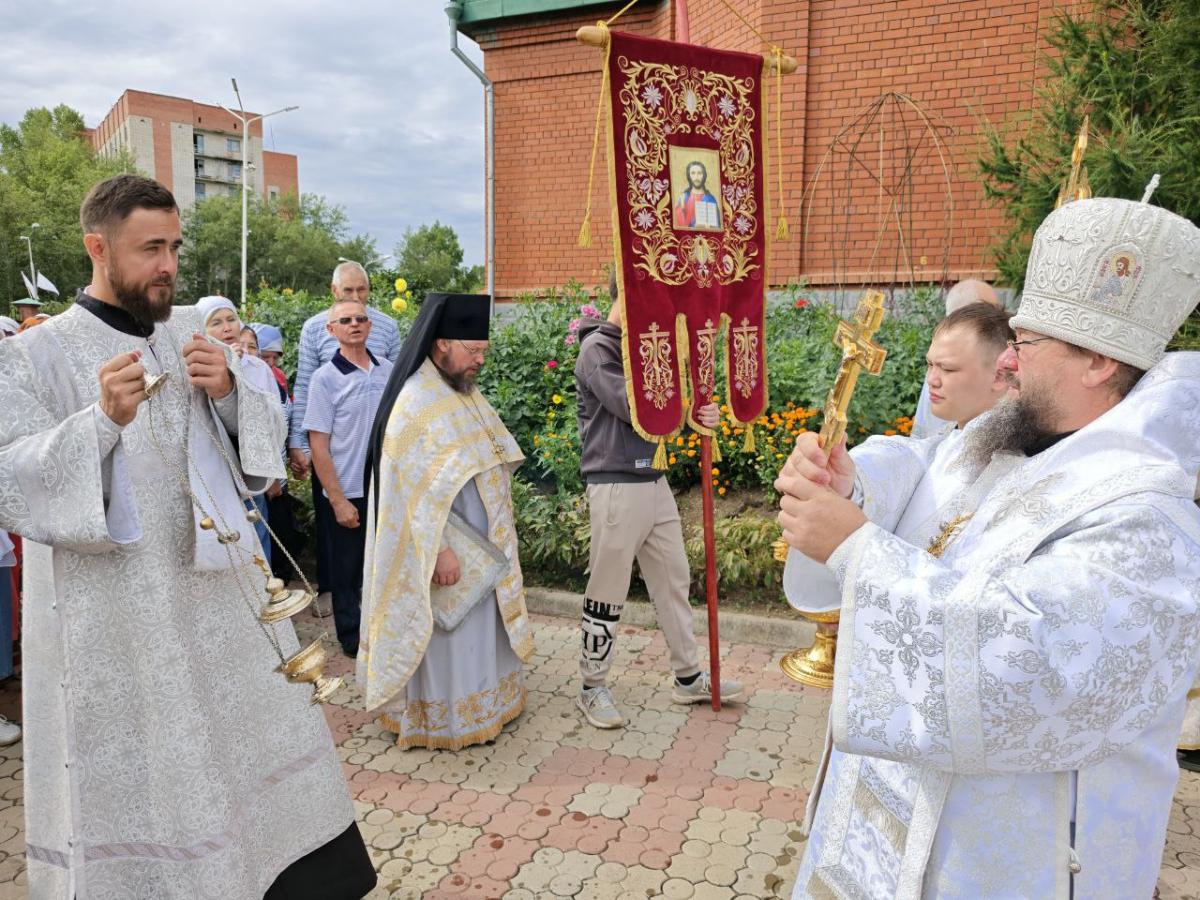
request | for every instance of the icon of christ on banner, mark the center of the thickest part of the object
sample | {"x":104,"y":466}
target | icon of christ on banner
{"x":695,"y":190}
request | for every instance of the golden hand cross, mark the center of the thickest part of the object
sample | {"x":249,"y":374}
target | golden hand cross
{"x":859,"y":353}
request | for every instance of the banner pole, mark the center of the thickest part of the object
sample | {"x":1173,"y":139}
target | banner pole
{"x":710,"y":569}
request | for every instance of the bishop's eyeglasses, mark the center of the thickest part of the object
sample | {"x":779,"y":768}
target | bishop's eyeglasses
{"x":1017,"y":345}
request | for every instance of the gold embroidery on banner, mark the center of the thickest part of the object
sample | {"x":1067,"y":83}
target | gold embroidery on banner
{"x":706,"y":339}
{"x":661,"y":103}
{"x":657,"y":375}
{"x":745,"y":358}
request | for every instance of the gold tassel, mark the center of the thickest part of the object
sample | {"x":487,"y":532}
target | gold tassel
{"x":585,"y":230}
{"x":748,"y":446}
{"x":716,"y":447}
{"x":660,"y":456}
{"x":781,"y":229}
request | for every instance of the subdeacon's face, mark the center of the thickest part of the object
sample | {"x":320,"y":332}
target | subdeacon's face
{"x":142,"y":259}
{"x":962,"y":376}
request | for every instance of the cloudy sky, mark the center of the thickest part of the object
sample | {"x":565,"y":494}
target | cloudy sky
{"x":390,"y":124}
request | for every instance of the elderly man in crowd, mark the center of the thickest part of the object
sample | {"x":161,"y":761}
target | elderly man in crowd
{"x":317,"y":347}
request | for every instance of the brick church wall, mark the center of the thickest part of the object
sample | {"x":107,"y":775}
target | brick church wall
{"x":964,"y":61}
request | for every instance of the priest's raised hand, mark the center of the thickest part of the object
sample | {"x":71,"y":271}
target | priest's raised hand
{"x":207,"y":368}
{"x":122,"y":387}
{"x":814,"y":511}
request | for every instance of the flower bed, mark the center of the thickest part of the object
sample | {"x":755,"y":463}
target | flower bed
{"x":529,"y":378}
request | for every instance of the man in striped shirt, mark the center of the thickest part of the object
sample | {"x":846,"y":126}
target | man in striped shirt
{"x":317,"y":347}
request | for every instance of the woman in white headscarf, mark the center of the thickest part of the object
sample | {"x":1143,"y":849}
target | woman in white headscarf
{"x":222,"y":323}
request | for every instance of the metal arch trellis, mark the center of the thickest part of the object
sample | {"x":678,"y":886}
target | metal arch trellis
{"x":901,"y":135}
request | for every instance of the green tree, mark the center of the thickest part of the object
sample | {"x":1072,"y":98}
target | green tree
{"x":294,"y":242}
{"x":1134,"y":66}
{"x":46,"y":169}
{"x":430,"y":258}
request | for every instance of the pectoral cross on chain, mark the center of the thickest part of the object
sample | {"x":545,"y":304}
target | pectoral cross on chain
{"x":859,"y":353}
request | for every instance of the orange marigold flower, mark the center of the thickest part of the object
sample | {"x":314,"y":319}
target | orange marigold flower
{"x":691,"y":453}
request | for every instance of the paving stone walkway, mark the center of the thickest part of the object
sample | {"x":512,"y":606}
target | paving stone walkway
{"x":680,"y":803}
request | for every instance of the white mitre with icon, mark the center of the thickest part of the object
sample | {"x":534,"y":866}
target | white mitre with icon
{"x":1114,"y":276}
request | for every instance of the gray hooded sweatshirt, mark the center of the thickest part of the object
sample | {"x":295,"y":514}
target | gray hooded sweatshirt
{"x":611,"y":450}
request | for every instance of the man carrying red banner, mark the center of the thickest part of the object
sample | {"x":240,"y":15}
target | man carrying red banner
{"x":633,"y":516}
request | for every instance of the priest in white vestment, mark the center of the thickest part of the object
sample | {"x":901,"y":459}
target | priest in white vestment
{"x":966,"y":381}
{"x":1029,"y":683}
{"x":444,"y":625}
{"x":165,"y":757}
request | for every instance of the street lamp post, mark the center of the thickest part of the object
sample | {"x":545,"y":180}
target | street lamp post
{"x":28,"y":239}
{"x":240,"y":115}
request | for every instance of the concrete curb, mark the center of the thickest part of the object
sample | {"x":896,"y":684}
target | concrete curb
{"x":739,"y":628}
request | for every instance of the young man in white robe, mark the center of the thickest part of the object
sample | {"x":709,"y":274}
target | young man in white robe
{"x":165,"y":755}
{"x":444,"y":627}
{"x":926,"y":420}
{"x":965,"y":380}
{"x":1029,"y":683}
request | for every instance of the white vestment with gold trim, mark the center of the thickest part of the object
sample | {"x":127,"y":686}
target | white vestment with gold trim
{"x":1029,"y":685}
{"x":443,"y":451}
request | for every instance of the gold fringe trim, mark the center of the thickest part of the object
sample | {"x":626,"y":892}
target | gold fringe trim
{"x":660,"y":456}
{"x":716,"y":450}
{"x":434,"y":742}
{"x":1188,"y":747}
{"x":748,"y":446}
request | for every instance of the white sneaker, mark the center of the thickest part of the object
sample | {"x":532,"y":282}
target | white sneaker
{"x":10,"y":732}
{"x":700,"y":690}
{"x":598,"y":707}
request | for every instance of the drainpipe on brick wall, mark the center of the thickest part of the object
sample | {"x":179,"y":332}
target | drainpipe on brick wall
{"x":454,"y":14}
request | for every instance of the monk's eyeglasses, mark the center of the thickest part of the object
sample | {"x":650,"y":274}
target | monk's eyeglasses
{"x":1017,"y":345}
{"x":474,"y":352}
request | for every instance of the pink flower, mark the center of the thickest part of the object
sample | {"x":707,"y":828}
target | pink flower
{"x":552,"y":364}
{"x":574,"y":326}
{"x":570,"y":339}
{"x":588,"y":310}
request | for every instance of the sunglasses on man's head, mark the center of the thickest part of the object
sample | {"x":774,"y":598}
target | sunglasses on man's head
{"x":346,"y":320}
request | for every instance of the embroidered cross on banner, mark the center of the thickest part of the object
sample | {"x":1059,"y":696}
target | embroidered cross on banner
{"x":859,"y":353}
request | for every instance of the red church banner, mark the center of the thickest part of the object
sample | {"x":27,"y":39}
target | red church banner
{"x":689,"y":215}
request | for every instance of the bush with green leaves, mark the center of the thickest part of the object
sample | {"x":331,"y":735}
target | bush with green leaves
{"x":1133,"y":66}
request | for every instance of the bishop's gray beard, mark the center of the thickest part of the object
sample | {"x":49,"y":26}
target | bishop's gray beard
{"x":1015,"y":425}
{"x":136,"y":299}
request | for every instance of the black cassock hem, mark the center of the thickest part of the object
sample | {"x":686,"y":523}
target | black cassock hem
{"x":339,"y":870}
